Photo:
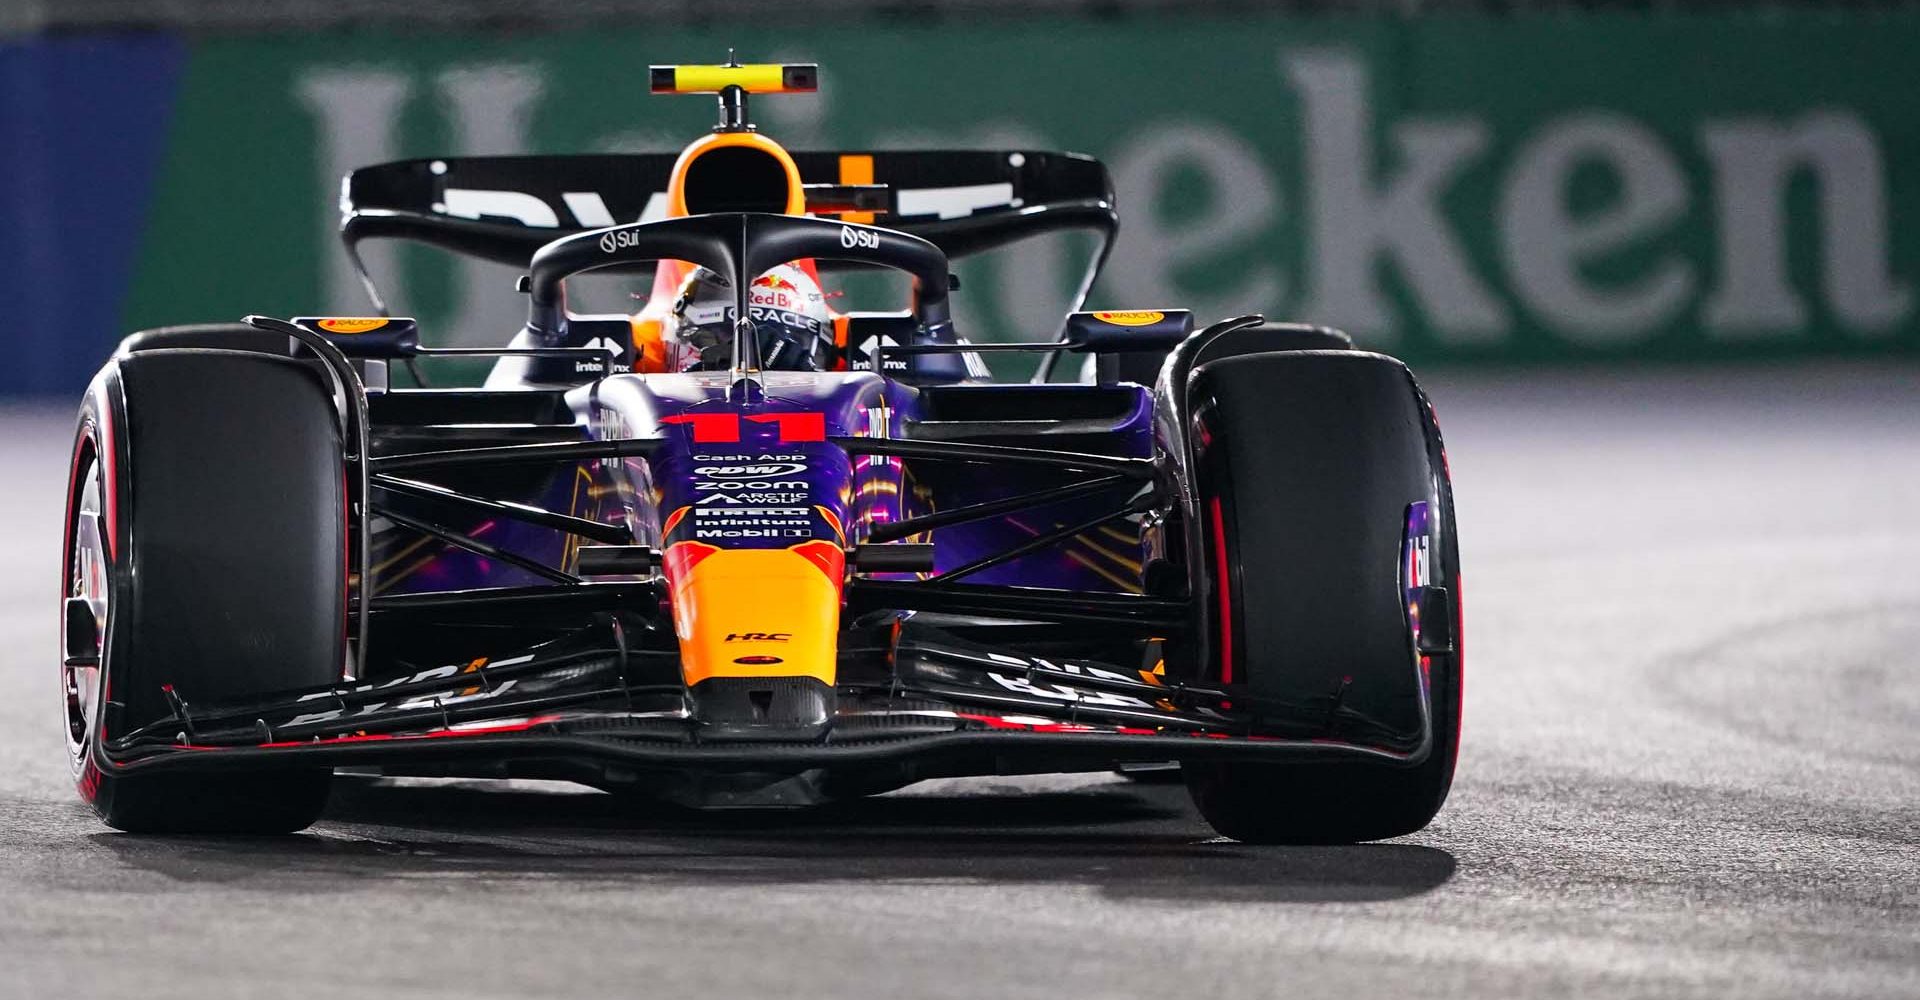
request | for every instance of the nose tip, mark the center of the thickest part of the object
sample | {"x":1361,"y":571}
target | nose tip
{"x":791,"y":709}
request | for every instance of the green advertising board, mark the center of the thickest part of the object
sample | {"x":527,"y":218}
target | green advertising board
{"x":1517,"y":189}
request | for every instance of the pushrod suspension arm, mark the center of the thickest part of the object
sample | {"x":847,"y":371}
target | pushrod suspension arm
{"x":517,"y":454}
{"x":1038,"y":542}
{"x":474,"y":545}
{"x":965,"y":451}
{"x":888,"y":531}
{"x":610,"y":534}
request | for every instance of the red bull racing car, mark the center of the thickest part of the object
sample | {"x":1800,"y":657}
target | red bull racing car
{"x":739,"y":548}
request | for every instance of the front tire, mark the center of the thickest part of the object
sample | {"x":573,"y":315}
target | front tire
{"x":1308,"y":468}
{"x":205,"y":552}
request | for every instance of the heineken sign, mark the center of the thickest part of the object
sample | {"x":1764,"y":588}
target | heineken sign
{"x":1589,"y":186}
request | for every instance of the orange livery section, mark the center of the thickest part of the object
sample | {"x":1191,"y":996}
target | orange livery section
{"x":756,"y":612}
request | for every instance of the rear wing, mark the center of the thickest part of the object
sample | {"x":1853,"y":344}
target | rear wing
{"x":503,"y":208}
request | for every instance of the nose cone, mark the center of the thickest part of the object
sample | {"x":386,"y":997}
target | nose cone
{"x":758,"y":631}
{"x":753,"y":501}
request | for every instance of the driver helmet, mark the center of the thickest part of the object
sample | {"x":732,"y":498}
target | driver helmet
{"x":786,"y":305}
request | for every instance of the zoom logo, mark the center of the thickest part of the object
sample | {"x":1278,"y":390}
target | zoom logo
{"x":851,"y":238}
{"x":764,"y":484}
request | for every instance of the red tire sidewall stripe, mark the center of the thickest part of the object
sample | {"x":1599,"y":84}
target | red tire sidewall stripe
{"x":1459,"y":661}
{"x":1222,"y":588}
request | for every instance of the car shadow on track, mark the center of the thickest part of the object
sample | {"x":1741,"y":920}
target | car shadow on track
{"x":1126,"y":841}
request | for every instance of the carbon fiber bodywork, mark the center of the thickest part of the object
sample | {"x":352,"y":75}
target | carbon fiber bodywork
{"x":1047,"y":659}
{"x":795,"y":584}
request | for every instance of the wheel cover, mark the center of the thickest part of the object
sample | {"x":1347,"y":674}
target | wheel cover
{"x":87,"y":579}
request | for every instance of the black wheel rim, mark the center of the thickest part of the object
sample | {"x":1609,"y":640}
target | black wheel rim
{"x":86,"y":579}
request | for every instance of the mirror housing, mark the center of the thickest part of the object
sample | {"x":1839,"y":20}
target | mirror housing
{"x":366,"y":336}
{"x":1116,"y":331}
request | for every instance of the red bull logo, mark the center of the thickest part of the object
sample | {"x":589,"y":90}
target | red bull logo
{"x":772,"y":289}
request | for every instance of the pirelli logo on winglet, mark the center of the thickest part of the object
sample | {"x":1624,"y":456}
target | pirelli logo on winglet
{"x":756,"y":78}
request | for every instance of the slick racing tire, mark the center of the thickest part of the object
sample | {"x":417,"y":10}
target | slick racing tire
{"x":1247,"y":335}
{"x":1308,"y":467}
{"x":1240,"y":337}
{"x":217,"y":336}
{"x":204,"y":561}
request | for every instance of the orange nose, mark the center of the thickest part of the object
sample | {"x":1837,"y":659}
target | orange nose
{"x":756,"y":612}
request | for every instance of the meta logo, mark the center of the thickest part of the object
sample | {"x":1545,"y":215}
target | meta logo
{"x":759,"y":636}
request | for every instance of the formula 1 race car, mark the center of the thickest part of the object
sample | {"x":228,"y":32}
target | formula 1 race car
{"x":737,"y":549}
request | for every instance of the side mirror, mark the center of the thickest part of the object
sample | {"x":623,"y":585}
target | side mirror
{"x":366,"y":336}
{"x":1118,"y":331}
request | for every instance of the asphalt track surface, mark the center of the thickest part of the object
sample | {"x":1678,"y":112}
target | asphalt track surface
{"x":1691,"y":768}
